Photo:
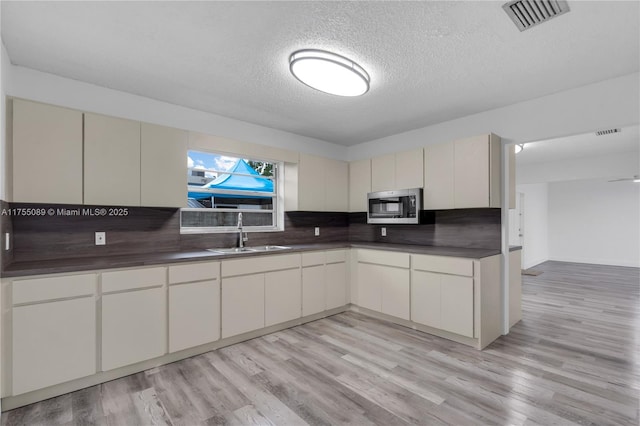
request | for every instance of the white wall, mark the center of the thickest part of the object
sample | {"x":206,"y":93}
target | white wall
{"x":4,"y":79}
{"x":535,"y":227}
{"x":48,"y":88}
{"x":610,"y":103}
{"x":595,"y":221}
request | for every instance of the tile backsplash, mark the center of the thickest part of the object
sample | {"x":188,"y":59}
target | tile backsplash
{"x":147,"y":230}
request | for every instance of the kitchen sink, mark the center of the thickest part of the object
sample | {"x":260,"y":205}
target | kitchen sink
{"x":269,"y":248}
{"x":238,"y":250}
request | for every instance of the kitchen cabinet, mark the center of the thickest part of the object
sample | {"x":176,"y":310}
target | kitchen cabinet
{"x":163,"y":166}
{"x":242,"y":304}
{"x":53,"y":341}
{"x":324,"y":281}
{"x":282,"y":296}
{"x":359,"y":184}
{"x":477,"y":172}
{"x":438,"y":193}
{"x":401,"y":170}
{"x":194,"y":305}
{"x":47,"y":154}
{"x":336,"y":279}
{"x":465,"y":173}
{"x":259,"y":291}
{"x":133,"y":316}
{"x":313,"y":283}
{"x":111,"y":161}
{"x":384,"y":282}
{"x":317,"y":184}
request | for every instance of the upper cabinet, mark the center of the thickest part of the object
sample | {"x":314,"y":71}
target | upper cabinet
{"x":47,"y":153}
{"x":317,"y":184}
{"x":163,"y":177}
{"x":111,"y":161}
{"x":464,"y":174}
{"x":359,"y":184}
{"x":401,"y":170}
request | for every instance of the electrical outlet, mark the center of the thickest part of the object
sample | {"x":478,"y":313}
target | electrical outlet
{"x":383,"y":232}
{"x":317,"y":231}
{"x":101,"y":238}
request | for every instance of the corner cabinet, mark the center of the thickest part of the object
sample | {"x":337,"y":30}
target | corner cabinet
{"x":163,"y":166}
{"x":324,"y":281}
{"x":47,"y":153}
{"x":317,"y":184}
{"x":359,"y":185}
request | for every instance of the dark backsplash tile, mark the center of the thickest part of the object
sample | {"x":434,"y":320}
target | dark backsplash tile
{"x":471,"y":228}
{"x":147,"y":230}
{"x":6,"y":226}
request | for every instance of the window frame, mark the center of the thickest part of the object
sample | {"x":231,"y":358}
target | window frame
{"x":277,"y":210}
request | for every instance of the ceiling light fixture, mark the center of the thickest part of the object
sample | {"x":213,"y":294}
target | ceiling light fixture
{"x":329,"y":73}
{"x":519,"y":147}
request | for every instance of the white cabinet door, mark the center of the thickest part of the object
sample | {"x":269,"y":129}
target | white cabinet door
{"x":359,"y":185}
{"x":242,"y":304}
{"x":383,"y":173}
{"x":133,"y":327}
{"x":471,"y":172}
{"x":336,"y":179}
{"x":313,"y":289}
{"x":194,"y":314}
{"x":283,"y":296}
{"x":111,"y":161}
{"x":311,"y":183}
{"x":336,"y":279}
{"x":425,"y":298}
{"x":163,"y":157}
{"x":395,"y":292}
{"x":47,"y":154}
{"x":370,"y":286}
{"x":438,"y":176}
{"x":457,"y":304}
{"x":409,"y":169}
{"x":53,"y":343}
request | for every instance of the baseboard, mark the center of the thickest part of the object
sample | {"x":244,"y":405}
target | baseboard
{"x":533,"y":263}
{"x":605,"y":262}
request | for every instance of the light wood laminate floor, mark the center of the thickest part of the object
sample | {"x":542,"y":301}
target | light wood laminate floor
{"x":573,"y":359}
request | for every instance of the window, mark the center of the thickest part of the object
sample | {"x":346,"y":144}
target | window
{"x":220,"y":187}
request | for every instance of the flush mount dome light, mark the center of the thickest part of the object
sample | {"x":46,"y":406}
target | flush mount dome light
{"x":329,"y":73}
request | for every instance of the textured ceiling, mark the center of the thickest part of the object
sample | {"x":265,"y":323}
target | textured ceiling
{"x":580,"y":146}
{"x":429,"y":61}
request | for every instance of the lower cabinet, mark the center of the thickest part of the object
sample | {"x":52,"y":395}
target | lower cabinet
{"x":53,"y":342}
{"x":336,"y":280}
{"x":384,"y":282}
{"x":133,"y":327}
{"x":313,"y":289}
{"x":194,"y":314}
{"x":282,"y":296}
{"x":443,"y":300}
{"x":242,"y":304}
{"x":194,"y":304}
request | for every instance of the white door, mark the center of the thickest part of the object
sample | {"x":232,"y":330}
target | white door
{"x":516,"y":223}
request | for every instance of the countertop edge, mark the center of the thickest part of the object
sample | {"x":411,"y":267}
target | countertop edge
{"x":23,"y":269}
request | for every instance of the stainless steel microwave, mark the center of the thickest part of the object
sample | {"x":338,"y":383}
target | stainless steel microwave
{"x":389,"y":207}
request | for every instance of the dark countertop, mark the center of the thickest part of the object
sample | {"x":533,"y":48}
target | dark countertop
{"x":20,"y":269}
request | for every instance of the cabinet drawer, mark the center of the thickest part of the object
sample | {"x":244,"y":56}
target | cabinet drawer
{"x":40,"y":289}
{"x":260,"y":264}
{"x":336,"y":256}
{"x":313,"y":258}
{"x":133,"y":279}
{"x":194,"y":272}
{"x":379,"y":257}
{"x":443,"y":264}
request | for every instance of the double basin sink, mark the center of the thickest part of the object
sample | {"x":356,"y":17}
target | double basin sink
{"x":239,"y":250}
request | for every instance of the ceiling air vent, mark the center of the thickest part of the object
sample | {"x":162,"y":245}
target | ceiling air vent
{"x":608,"y":132}
{"x":528,"y":13}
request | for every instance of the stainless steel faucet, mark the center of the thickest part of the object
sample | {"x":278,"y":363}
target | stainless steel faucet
{"x":242,"y":236}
